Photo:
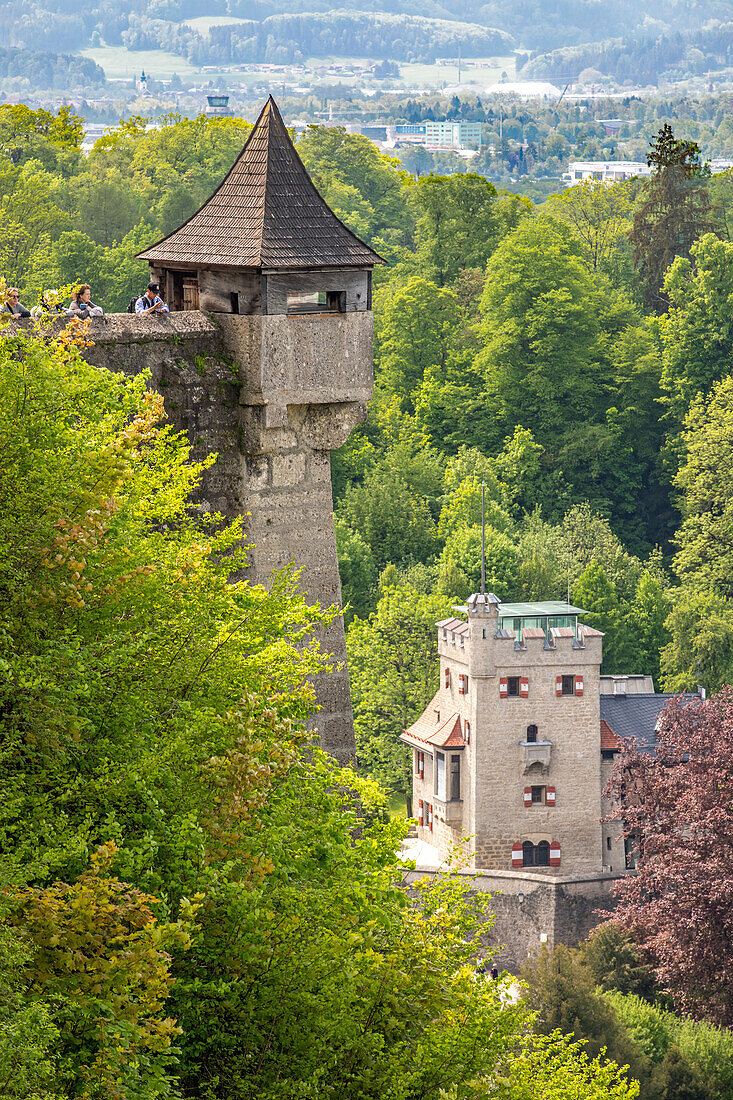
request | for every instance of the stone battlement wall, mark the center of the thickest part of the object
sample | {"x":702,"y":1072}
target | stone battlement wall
{"x":532,"y":909}
{"x":272,"y":396}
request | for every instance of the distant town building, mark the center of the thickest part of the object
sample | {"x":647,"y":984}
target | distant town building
{"x":437,"y":135}
{"x":142,"y":84}
{"x":612,"y":126}
{"x":608,"y":171}
{"x":217,"y":105}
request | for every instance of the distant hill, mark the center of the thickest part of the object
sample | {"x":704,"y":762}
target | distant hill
{"x":60,"y":72}
{"x":398,"y":29}
{"x":643,"y":59}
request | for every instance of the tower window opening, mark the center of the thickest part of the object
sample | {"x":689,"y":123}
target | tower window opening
{"x":317,"y":301}
{"x":532,"y":734}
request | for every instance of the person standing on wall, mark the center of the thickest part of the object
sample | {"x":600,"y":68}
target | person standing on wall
{"x":150,"y":301}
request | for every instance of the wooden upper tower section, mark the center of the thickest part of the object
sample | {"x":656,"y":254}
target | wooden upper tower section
{"x":265,"y":215}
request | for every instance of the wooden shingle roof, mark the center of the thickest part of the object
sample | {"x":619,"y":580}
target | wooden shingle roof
{"x":266,"y":213}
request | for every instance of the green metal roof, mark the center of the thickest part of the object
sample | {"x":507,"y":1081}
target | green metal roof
{"x":533,"y":610}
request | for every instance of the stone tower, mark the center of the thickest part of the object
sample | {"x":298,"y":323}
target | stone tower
{"x":507,"y":757}
{"x":288,"y":288}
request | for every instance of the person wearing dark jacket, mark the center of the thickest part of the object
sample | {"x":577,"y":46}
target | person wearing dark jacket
{"x":13,"y":304}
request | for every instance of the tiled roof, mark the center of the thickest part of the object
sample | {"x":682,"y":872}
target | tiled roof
{"x":590,"y":631}
{"x":562,"y":632}
{"x":636,"y":716}
{"x":266,"y":213}
{"x":609,"y":740}
{"x":428,"y":731}
{"x":533,"y":632}
{"x":450,"y":624}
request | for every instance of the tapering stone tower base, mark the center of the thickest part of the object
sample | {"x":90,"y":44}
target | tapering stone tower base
{"x":288,"y":287}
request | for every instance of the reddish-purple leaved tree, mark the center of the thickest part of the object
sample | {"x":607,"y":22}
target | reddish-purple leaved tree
{"x":678,"y":808}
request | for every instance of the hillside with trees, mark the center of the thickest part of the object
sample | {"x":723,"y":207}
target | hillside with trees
{"x":575,"y":360}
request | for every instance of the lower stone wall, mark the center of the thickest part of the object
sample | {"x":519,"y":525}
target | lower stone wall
{"x":273,"y":466}
{"x":532,"y":909}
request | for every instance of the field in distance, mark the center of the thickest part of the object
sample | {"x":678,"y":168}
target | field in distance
{"x":119,"y":62}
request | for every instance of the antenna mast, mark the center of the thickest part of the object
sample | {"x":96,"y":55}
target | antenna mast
{"x":483,"y":538}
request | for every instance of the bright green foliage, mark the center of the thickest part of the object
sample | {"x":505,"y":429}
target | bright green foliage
{"x":596,"y":594}
{"x":599,"y":216}
{"x":416,"y":332}
{"x":39,"y":135}
{"x":701,"y":648}
{"x":356,"y":569}
{"x":393,"y":665}
{"x":697,"y":333}
{"x":116,"y":681}
{"x":540,"y":353}
{"x":463,"y":550}
{"x":461,"y":220}
{"x":645,"y":623}
{"x":554,"y":1068}
{"x":685,"y":1052}
{"x":102,"y":960}
{"x":27,"y":1034}
{"x":706,"y":484}
{"x":562,"y":992}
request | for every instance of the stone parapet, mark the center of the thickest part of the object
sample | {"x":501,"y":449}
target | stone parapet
{"x":531,"y":909}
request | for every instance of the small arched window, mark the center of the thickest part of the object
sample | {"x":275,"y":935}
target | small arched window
{"x":531,"y":733}
{"x":536,"y":855}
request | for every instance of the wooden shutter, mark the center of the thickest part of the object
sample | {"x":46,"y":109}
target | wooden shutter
{"x":461,"y":688}
{"x":524,"y":687}
{"x":558,"y":685}
{"x":467,"y":733}
{"x":503,"y":687}
{"x":527,"y":796}
{"x":554,"y":854}
{"x":447,"y":677}
{"x":578,"y":685}
{"x":517,"y":857}
{"x":550,"y":796}
{"x":430,"y":816}
{"x":421,"y":813}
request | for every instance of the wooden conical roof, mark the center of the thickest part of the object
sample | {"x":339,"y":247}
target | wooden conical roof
{"x":266,"y":213}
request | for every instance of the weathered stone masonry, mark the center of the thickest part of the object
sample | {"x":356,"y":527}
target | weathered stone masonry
{"x":272,"y":396}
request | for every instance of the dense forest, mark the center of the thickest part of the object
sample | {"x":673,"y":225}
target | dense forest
{"x":643,"y":59}
{"x":276,"y":31}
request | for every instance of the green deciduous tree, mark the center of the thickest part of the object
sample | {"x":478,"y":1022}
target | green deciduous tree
{"x":540,"y":353}
{"x":393,"y":665}
{"x":102,"y":960}
{"x":706,"y":483}
{"x":461,"y":220}
{"x":416,"y":331}
{"x":697,"y":333}
{"x":599,"y":216}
